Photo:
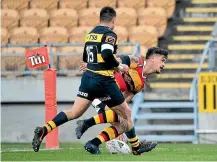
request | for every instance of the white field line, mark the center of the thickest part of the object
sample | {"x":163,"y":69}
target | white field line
{"x":31,"y":150}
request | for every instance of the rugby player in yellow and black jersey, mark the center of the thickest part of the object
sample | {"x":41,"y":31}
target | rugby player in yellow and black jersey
{"x":98,"y":82}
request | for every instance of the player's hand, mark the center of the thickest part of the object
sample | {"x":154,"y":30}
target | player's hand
{"x":83,"y":67}
{"x":123,"y":68}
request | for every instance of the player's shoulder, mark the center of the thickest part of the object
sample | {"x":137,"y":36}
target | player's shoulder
{"x":135,"y":61}
{"x":109,"y":37}
{"x":108,"y":34}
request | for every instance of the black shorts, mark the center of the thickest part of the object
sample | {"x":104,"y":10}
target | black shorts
{"x":103,"y":88}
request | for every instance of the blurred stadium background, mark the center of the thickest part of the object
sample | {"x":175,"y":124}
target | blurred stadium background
{"x":175,"y":106}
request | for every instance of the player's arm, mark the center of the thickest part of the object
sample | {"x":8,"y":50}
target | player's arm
{"x":128,"y":96}
{"x":130,"y":60}
{"x":124,"y":59}
{"x":107,"y":49}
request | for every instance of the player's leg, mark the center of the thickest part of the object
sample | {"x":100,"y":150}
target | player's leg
{"x":107,"y":116}
{"x":137,"y":147}
{"x":79,"y":107}
{"x":116,"y":101}
{"x":81,"y":104}
{"x":118,"y":128}
{"x":103,"y":109}
{"x":106,"y":135}
{"x":100,"y":107}
{"x":113,"y":132}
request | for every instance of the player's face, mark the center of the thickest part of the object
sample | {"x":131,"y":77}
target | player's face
{"x":113,"y":23}
{"x":159,"y":63}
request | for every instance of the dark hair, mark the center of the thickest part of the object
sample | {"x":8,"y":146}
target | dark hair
{"x":156,"y":50}
{"x":107,"y":14}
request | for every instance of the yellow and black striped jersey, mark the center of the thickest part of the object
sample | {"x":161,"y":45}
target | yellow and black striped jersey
{"x":99,"y":38}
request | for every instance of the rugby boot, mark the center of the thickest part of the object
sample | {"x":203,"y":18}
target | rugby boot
{"x":91,"y":148}
{"x":38,"y":137}
{"x":143,"y":147}
{"x":81,"y":128}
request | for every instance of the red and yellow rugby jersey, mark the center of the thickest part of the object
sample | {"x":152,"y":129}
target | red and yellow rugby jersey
{"x":133,"y":81}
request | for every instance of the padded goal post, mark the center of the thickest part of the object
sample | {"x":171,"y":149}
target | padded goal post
{"x":52,"y":140}
{"x":37,"y":58}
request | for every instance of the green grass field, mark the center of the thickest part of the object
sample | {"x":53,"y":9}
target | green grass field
{"x":75,"y":152}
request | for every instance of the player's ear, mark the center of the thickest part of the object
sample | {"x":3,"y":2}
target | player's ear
{"x":113,"y":20}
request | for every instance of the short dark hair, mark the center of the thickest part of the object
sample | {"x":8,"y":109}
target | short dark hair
{"x":107,"y":14}
{"x":156,"y":50}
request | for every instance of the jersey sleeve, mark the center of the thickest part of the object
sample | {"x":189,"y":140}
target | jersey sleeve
{"x":107,"y":48}
{"x":109,"y":41}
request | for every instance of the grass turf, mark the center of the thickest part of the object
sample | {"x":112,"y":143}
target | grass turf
{"x":75,"y":152}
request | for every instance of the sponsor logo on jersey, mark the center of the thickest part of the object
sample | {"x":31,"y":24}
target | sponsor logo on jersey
{"x":110,"y":40}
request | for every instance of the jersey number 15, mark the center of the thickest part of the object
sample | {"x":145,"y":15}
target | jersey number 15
{"x":91,"y":54}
